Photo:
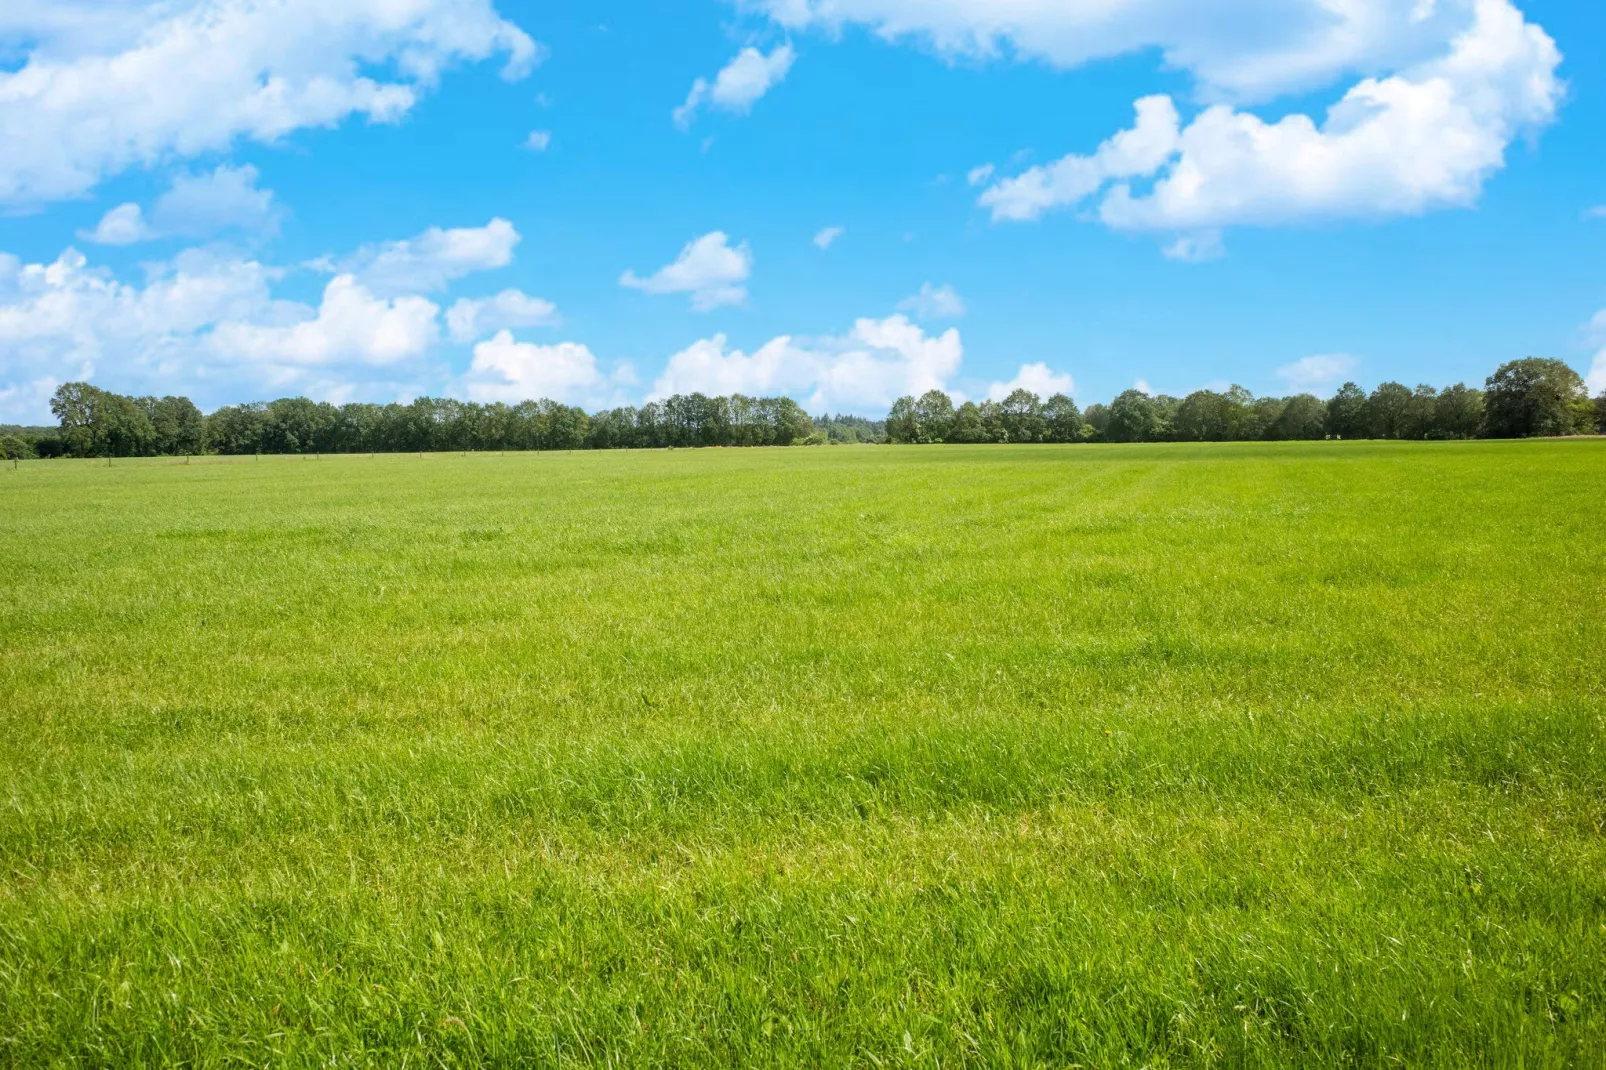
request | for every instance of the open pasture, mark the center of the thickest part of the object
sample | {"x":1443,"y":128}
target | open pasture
{"x":1245,"y":755}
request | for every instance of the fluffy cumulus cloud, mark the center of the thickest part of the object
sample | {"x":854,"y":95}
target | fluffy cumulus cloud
{"x":1039,"y":378}
{"x":96,"y":91}
{"x":470,"y":318}
{"x":1240,"y":49}
{"x":1141,"y":150}
{"x":351,"y":325}
{"x":123,"y":225}
{"x":865,"y":370}
{"x":512,"y":371}
{"x":709,"y":269}
{"x":1318,"y":374}
{"x":1434,"y":94}
{"x":740,"y":85}
{"x":210,"y":320}
{"x":432,"y":259}
{"x":66,"y":319}
{"x":195,"y":206}
{"x":934,"y":303}
{"x":1425,"y":138}
{"x":1597,"y":369}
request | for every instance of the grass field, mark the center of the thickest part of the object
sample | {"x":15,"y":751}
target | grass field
{"x":1286,"y":755}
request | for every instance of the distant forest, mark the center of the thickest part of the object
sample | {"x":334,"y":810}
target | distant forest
{"x":1524,"y":398}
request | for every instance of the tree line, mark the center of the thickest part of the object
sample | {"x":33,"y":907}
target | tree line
{"x":99,"y":423}
{"x":1523,"y":398}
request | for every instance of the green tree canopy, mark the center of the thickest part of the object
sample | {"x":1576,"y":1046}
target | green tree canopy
{"x":1346,"y":413}
{"x":1134,"y":417}
{"x":1533,"y":397}
{"x":934,"y":417}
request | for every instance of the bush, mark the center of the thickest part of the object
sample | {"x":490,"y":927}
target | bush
{"x":15,"y":448}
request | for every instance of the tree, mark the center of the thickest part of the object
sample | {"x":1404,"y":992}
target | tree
{"x":1063,"y":420}
{"x":1346,"y":413}
{"x":993,"y":428}
{"x":1386,"y":410}
{"x":1097,"y":422}
{"x":296,"y":425}
{"x":967,"y":424}
{"x":1533,"y":397}
{"x":901,"y":424}
{"x":98,"y":423}
{"x":1262,"y":419}
{"x":1458,"y":412}
{"x":1600,"y":414}
{"x":1134,"y":417}
{"x":569,"y":427}
{"x":1421,"y":413}
{"x":1023,"y":417}
{"x":1204,"y":416}
{"x":1302,"y":418}
{"x":846,"y":430}
{"x":1165,"y":412}
{"x":15,"y":448}
{"x":357,"y":428}
{"x":179,"y":427}
{"x":792,"y":424}
{"x":81,"y":410}
{"x":934,"y":417}
{"x":237,"y":429}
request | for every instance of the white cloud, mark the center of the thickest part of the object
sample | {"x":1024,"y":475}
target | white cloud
{"x":539,"y":140}
{"x":194,"y":206}
{"x":864,"y":371}
{"x":65,"y":319}
{"x":1318,"y":374}
{"x":1427,"y":137}
{"x":67,"y":312}
{"x":226,"y":199}
{"x":708,"y":269}
{"x":103,"y":90}
{"x":28,"y":402}
{"x":1142,"y":150}
{"x":1597,"y":212}
{"x":934,"y":303}
{"x":1239,"y":49}
{"x":1195,"y":248}
{"x":123,"y":225}
{"x":979,"y":176}
{"x":1596,"y":379}
{"x":207,"y":324}
{"x":1142,"y":386}
{"x":1039,"y":378}
{"x":512,"y":371}
{"x":471,"y":318}
{"x":828,"y":236}
{"x":739,"y":86}
{"x":351,"y":325}
{"x":432,"y":259}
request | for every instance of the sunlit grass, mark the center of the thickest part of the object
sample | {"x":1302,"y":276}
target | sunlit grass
{"x":1277,"y":755}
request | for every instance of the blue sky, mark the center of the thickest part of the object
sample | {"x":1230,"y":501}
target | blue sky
{"x":843,"y":200}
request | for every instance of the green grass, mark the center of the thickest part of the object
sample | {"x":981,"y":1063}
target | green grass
{"x":1286,"y":755}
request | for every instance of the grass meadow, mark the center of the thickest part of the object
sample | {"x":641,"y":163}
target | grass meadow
{"x":1153,"y":756}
